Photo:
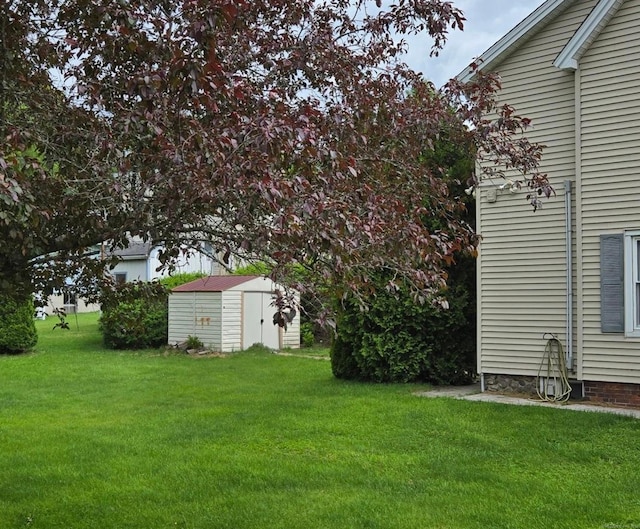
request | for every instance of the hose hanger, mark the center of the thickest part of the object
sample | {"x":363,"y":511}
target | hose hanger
{"x":552,"y":383}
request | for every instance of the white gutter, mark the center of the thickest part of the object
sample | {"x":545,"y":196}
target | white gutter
{"x":569,"y":259}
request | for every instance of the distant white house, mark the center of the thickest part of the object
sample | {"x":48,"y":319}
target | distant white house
{"x":138,"y":262}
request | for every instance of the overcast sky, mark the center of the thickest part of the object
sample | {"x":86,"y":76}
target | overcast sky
{"x":487,"y":22}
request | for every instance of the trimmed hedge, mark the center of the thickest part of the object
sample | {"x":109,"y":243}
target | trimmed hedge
{"x":17,"y":329}
{"x":135,"y":315}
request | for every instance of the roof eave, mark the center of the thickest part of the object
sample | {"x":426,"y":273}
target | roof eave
{"x":571,"y":54}
{"x":515,"y":38}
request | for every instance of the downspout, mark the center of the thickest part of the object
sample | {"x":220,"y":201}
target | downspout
{"x":569,"y":258}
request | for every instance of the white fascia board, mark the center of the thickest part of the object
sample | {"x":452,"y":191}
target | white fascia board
{"x":514,"y":39}
{"x":568,"y":58}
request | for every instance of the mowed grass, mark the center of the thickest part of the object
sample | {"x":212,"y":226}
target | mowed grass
{"x":91,"y":438}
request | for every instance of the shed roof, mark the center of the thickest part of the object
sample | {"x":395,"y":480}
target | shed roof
{"x":213,"y":283}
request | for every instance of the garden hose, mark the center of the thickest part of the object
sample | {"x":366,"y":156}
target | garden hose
{"x":552,"y":384}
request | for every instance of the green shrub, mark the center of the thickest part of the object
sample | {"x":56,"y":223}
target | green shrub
{"x":17,"y":329}
{"x":399,"y":340}
{"x":307,"y":338}
{"x":134,"y":315}
{"x":343,"y":358}
{"x":176,"y":280}
{"x":257,"y":268}
{"x":193,"y":342}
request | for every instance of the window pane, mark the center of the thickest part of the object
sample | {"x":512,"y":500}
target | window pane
{"x":637,"y":306}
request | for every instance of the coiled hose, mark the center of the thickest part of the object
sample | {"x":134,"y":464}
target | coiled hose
{"x":552,"y":384}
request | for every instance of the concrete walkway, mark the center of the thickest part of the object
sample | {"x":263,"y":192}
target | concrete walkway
{"x":473,"y":392}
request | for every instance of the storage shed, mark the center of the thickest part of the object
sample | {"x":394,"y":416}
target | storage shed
{"x":229,"y":313}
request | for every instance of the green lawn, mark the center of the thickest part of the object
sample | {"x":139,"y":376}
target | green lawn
{"x":91,"y":438}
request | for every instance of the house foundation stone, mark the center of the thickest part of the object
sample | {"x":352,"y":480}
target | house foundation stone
{"x":510,"y":384}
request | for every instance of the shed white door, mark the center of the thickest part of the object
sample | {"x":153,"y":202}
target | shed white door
{"x":258,"y":321}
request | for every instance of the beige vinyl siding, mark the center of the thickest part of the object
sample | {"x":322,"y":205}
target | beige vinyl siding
{"x":522,"y":268}
{"x":208,"y":318}
{"x":610,"y":118}
{"x":232,"y":321}
{"x":523,"y":282}
{"x":195,"y":314}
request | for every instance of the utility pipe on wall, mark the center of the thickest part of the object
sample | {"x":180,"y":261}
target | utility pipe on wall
{"x":569,"y":258}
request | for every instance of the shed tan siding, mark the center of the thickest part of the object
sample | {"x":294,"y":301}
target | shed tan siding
{"x":610,"y":199}
{"x":182,"y":316}
{"x":232,"y":321}
{"x":291,"y":337}
{"x":195,"y":314}
{"x":522,"y":269}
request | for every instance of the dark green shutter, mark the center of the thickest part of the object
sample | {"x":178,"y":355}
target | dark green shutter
{"x":612,"y":283}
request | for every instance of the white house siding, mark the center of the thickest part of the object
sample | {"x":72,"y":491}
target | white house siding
{"x":194,"y":262}
{"x":56,"y":301}
{"x":136,"y":269}
{"x":196,"y":314}
{"x":231,"y":321}
{"x":610,"y":199}
{"x":522,"y":269}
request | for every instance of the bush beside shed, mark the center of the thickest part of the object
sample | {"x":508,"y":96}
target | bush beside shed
{"x":229,"y":313}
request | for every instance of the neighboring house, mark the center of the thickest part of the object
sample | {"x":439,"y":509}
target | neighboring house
{"x":68,"y":301}
{"x":230,"y":313}
{"x":571,"y":269}
{"x":138,"y":262}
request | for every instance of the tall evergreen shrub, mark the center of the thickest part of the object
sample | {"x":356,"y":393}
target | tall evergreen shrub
{"x":399,"y":340}
{"x":17,"y":329}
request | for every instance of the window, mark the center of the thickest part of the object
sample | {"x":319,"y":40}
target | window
{"x":632,"y":283}
{"x":70,"y":302}
{"x":120,"y":277}
{"x":69,"y":298}
{"x":620,"y":283}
